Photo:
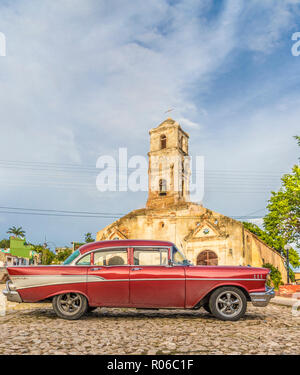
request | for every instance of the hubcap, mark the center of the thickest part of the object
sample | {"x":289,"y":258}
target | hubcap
{"x":69,"y":303}
{"x":229,"y":304}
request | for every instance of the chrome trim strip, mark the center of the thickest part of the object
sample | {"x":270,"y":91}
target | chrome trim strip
{"x":33,"y":281}
{"x":193,"y":279}
{"x":23,"y":277}
{"x":225,"y":279}
{"x":109,"y":248}
{"x":174,"y":279}
{"x":148,"y":247}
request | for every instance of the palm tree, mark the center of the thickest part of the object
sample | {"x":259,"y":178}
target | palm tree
{"x":18,"y":232}
{"x":88,"y":237}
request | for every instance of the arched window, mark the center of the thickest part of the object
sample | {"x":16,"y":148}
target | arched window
{"x":207,"y":258}
{"x":163,"y":141}
{"x":162,"y":187}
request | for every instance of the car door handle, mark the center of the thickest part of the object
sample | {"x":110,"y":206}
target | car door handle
{"x":136,"y":269}
{"x":96,"y":269}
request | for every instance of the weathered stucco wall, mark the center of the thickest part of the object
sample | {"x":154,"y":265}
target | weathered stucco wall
{"x":168,"y":163}
{"x":187,"y":227}
{"x":261,"y":254}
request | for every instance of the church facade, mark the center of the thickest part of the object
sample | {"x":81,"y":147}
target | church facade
{"x":206,"y":237}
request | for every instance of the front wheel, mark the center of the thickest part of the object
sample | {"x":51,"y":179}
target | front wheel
{"x":228,"y":303}
{"x":70,"y":306}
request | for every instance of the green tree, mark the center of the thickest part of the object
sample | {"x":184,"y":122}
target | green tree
{"x":283,"y":218}
{"x":88,"y":237}
{"x":4,"y":244}
{"x":276,"y":242}
{"x":18,"y":232}
{"x":47,"y":256}
{"x":282,"y":223}
{"x":63,"y":255}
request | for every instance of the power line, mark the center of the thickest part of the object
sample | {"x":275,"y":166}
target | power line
{"x":92,"y":188}
{"x":207,"y":174}
{"x":117,"y":216}
{"x":59,"y":211}
{"x":92,"y":168}
{"x":66,"y":213}
{"x":61,"y":215}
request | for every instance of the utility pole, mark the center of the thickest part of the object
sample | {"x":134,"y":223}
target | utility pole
{"x":287,"y":248}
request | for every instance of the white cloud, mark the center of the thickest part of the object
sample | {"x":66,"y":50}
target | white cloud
{"x":82,"y":78}
{"x":188,"y":123}
{"x":269,"y":22}
{"x":85,"y":68}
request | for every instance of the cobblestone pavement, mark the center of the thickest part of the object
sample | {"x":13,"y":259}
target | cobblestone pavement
{"x":35,"y":329}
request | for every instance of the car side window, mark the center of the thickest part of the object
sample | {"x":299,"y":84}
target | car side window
{"x":117,"y":257}
{"x":85,"y":261}
{"x":150,"y":257}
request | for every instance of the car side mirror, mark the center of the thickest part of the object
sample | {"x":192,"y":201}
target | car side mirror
{"x":170,"y":263}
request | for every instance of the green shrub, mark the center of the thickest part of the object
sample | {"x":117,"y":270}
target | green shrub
{"x":276,"y":278}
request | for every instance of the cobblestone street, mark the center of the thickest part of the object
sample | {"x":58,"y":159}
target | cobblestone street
{"x":34,"y":329}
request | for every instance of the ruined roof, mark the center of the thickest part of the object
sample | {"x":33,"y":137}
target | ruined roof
{"x":169,"y":122}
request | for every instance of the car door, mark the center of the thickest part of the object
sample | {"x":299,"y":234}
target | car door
{"x":108,"y":278}
{"x":153,"y":283}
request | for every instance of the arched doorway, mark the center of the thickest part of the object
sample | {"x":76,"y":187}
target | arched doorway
{"x":207,"y":258}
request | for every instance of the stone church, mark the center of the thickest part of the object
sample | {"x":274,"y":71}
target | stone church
{"x":206,"y":237}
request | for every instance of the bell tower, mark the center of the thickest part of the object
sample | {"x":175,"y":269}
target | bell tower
{"x":169,"y":165}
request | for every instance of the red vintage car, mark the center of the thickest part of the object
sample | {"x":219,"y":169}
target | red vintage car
{"x":141,"y":274}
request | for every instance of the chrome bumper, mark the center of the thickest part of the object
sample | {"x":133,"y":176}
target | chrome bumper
{"x":262,"y":299}
{"x":11,"y":295}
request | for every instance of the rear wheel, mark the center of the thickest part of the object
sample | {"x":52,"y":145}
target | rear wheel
{"x":228,"y":303}
{"x":70,"y":306}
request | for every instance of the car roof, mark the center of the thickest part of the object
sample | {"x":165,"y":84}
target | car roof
{"x":117,"y":243}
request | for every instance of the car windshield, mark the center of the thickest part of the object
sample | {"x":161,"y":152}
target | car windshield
{"x":72,"y":257}
{"x":178,"y":258}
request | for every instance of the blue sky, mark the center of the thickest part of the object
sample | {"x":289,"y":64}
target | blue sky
{"x":82,"y":78}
